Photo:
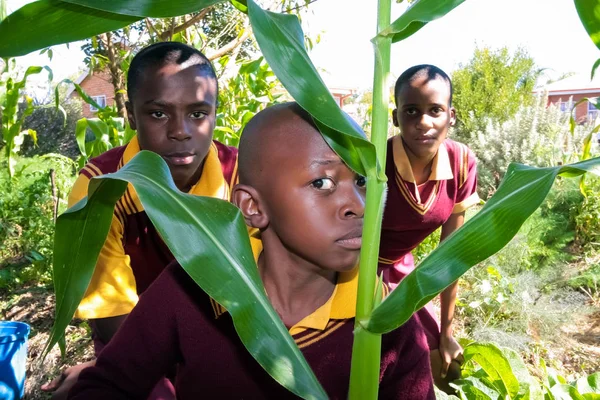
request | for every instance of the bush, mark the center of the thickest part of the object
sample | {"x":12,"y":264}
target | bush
{"x":537,"y":136}
{"x":54,"y":134}
{"x":27,"y":217}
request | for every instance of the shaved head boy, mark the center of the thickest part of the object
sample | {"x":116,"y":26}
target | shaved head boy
{"x":308,"y":206}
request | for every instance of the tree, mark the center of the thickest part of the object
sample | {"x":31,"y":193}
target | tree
{"x":492,"y":86}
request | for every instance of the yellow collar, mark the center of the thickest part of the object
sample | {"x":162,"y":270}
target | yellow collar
{"x":341,"y":304}
{"x":212,"y":182}
{"x":440,"y":169}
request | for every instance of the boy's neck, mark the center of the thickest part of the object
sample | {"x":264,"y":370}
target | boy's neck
{"x":295,"y":287}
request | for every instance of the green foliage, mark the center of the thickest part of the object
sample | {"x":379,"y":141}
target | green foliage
{"x":500,"y":218}
{"x":494,"y":372}
{"x":587,"y":216}
{"x":212,"y":222}
{"x":250,"y":91}
{"x":493,"y":85}
{"x":535,"y":135}
{"x":27,"y":220}
{"x":55,"y":134}
{"x":12,"y":120}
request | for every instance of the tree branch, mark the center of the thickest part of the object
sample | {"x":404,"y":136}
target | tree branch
{"x":231,"y":45}
{"x":192,"y":21}
{"x":298,"y":7}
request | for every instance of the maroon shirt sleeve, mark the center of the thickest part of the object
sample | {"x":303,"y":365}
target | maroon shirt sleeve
{"x":405,"y":364}
{"x":143,"y":350}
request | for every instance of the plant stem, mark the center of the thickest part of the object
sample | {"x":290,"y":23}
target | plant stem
{"x":366,"y":349}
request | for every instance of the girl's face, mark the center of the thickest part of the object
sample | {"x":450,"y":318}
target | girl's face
{"x":424,"y":115}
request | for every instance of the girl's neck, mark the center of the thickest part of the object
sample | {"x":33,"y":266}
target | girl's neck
{"x":421,"y":166}
{"x":295,"y":287}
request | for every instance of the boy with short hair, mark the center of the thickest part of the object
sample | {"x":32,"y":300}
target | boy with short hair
{"x":172,"y":92}
{"x":308,"y":206}
{"x":432,"y":181}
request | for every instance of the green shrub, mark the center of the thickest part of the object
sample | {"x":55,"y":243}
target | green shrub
{"x":26,"y":217}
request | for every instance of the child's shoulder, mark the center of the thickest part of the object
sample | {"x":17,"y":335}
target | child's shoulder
{"x":458,"y":151}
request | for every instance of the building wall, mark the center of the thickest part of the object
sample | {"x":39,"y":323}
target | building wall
{"x":582,"y":109}
{"x":97,"y":84}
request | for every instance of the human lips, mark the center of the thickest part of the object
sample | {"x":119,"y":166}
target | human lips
{"x":352,"y":240}
{"x":180,"y":158}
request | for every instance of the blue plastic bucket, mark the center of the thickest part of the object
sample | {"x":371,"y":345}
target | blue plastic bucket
{"x":13,"y":359}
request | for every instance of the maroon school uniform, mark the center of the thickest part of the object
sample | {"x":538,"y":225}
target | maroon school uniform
{"x":412,"y":213}
{"x":188,"y":329}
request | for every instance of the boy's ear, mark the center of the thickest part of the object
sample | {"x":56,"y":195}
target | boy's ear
{"x":247,"y":199}
{"x":395,"y":117}
{"x":130,"y":116}
{"x":452,"y":116}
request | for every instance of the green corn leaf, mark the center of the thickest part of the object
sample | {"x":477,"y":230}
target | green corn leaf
{"x":281,"y":41}
{"x":521,"y":192}
{"x":147,"y":8}
{"x":25,"y":30}
{"x":589,"y":14}
{"x":594,"y":68}
{"x":417,"y":16}
{"x":226,"y":273}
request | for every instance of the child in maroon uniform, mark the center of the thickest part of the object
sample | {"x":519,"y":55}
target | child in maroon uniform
{"x":172,"y":92}
{"x":432,"y":181}
{"x":309,"y":208}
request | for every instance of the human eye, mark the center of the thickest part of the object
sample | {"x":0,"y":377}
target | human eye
{"x":158,"y":114}
{"x":411,"y":111}
{"x":437,"y":110}
{"x":198,"y":115}
{"x":361,"y":181}
{"x":323,"y":184}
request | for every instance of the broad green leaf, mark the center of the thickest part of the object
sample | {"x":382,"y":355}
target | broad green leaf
{"x":472,"y":388}
{"x":147,"y":8}
{"x":281,"y":41}
{"x":80,"y":130}
{"x":589,"y":14}
{"x":417,"y":16}
{"x":530,"y":389}
{"x":226,"y":273}
{"x":521,"y":192}
{"x":496,"y":365}
{"x":48,"y":22}
{"x":566,"y":392}
{"x":589,"y":384}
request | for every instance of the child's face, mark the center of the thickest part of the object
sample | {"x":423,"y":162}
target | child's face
{"x":314,"y":202}
{"x":174,"y":114}
{"x":424,"y":115}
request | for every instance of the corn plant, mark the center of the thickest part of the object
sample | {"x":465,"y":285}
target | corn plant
{"x":11,"y":94}
{"x":281,"y":41}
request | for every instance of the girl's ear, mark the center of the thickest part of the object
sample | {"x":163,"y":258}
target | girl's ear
{"x":247,"y":199}
{"x":452,"y":116}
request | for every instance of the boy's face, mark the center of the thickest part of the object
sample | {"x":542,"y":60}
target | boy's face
{"x":314,"y":202}
{"x":424,"y":115}
{"x":173,"y":111}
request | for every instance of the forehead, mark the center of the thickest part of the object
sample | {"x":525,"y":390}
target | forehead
{"x":296,"y":143}
{"x":176,"y":82}
{"x":424,"y":90}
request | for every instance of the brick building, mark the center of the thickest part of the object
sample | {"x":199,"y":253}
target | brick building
{"x":98,"y":86}
{"x":567,"y":92}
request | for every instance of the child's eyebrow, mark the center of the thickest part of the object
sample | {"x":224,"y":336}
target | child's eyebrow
{"x":316,"y":163}
{"x":162,"y":103}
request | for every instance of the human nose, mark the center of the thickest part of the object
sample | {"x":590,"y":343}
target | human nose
{"x":354,"y":206}
{"x":425,"y":121}
{"x":179,"y":129}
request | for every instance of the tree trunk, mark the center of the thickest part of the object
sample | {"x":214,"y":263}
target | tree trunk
{"x":116,"y":74}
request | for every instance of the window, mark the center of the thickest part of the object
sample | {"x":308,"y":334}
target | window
{"x":592,"y":112}
{"x":101,"y":100}
{"x":565,"y":106}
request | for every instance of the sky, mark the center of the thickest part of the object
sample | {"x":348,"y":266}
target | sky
{"x":549,"y":30}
